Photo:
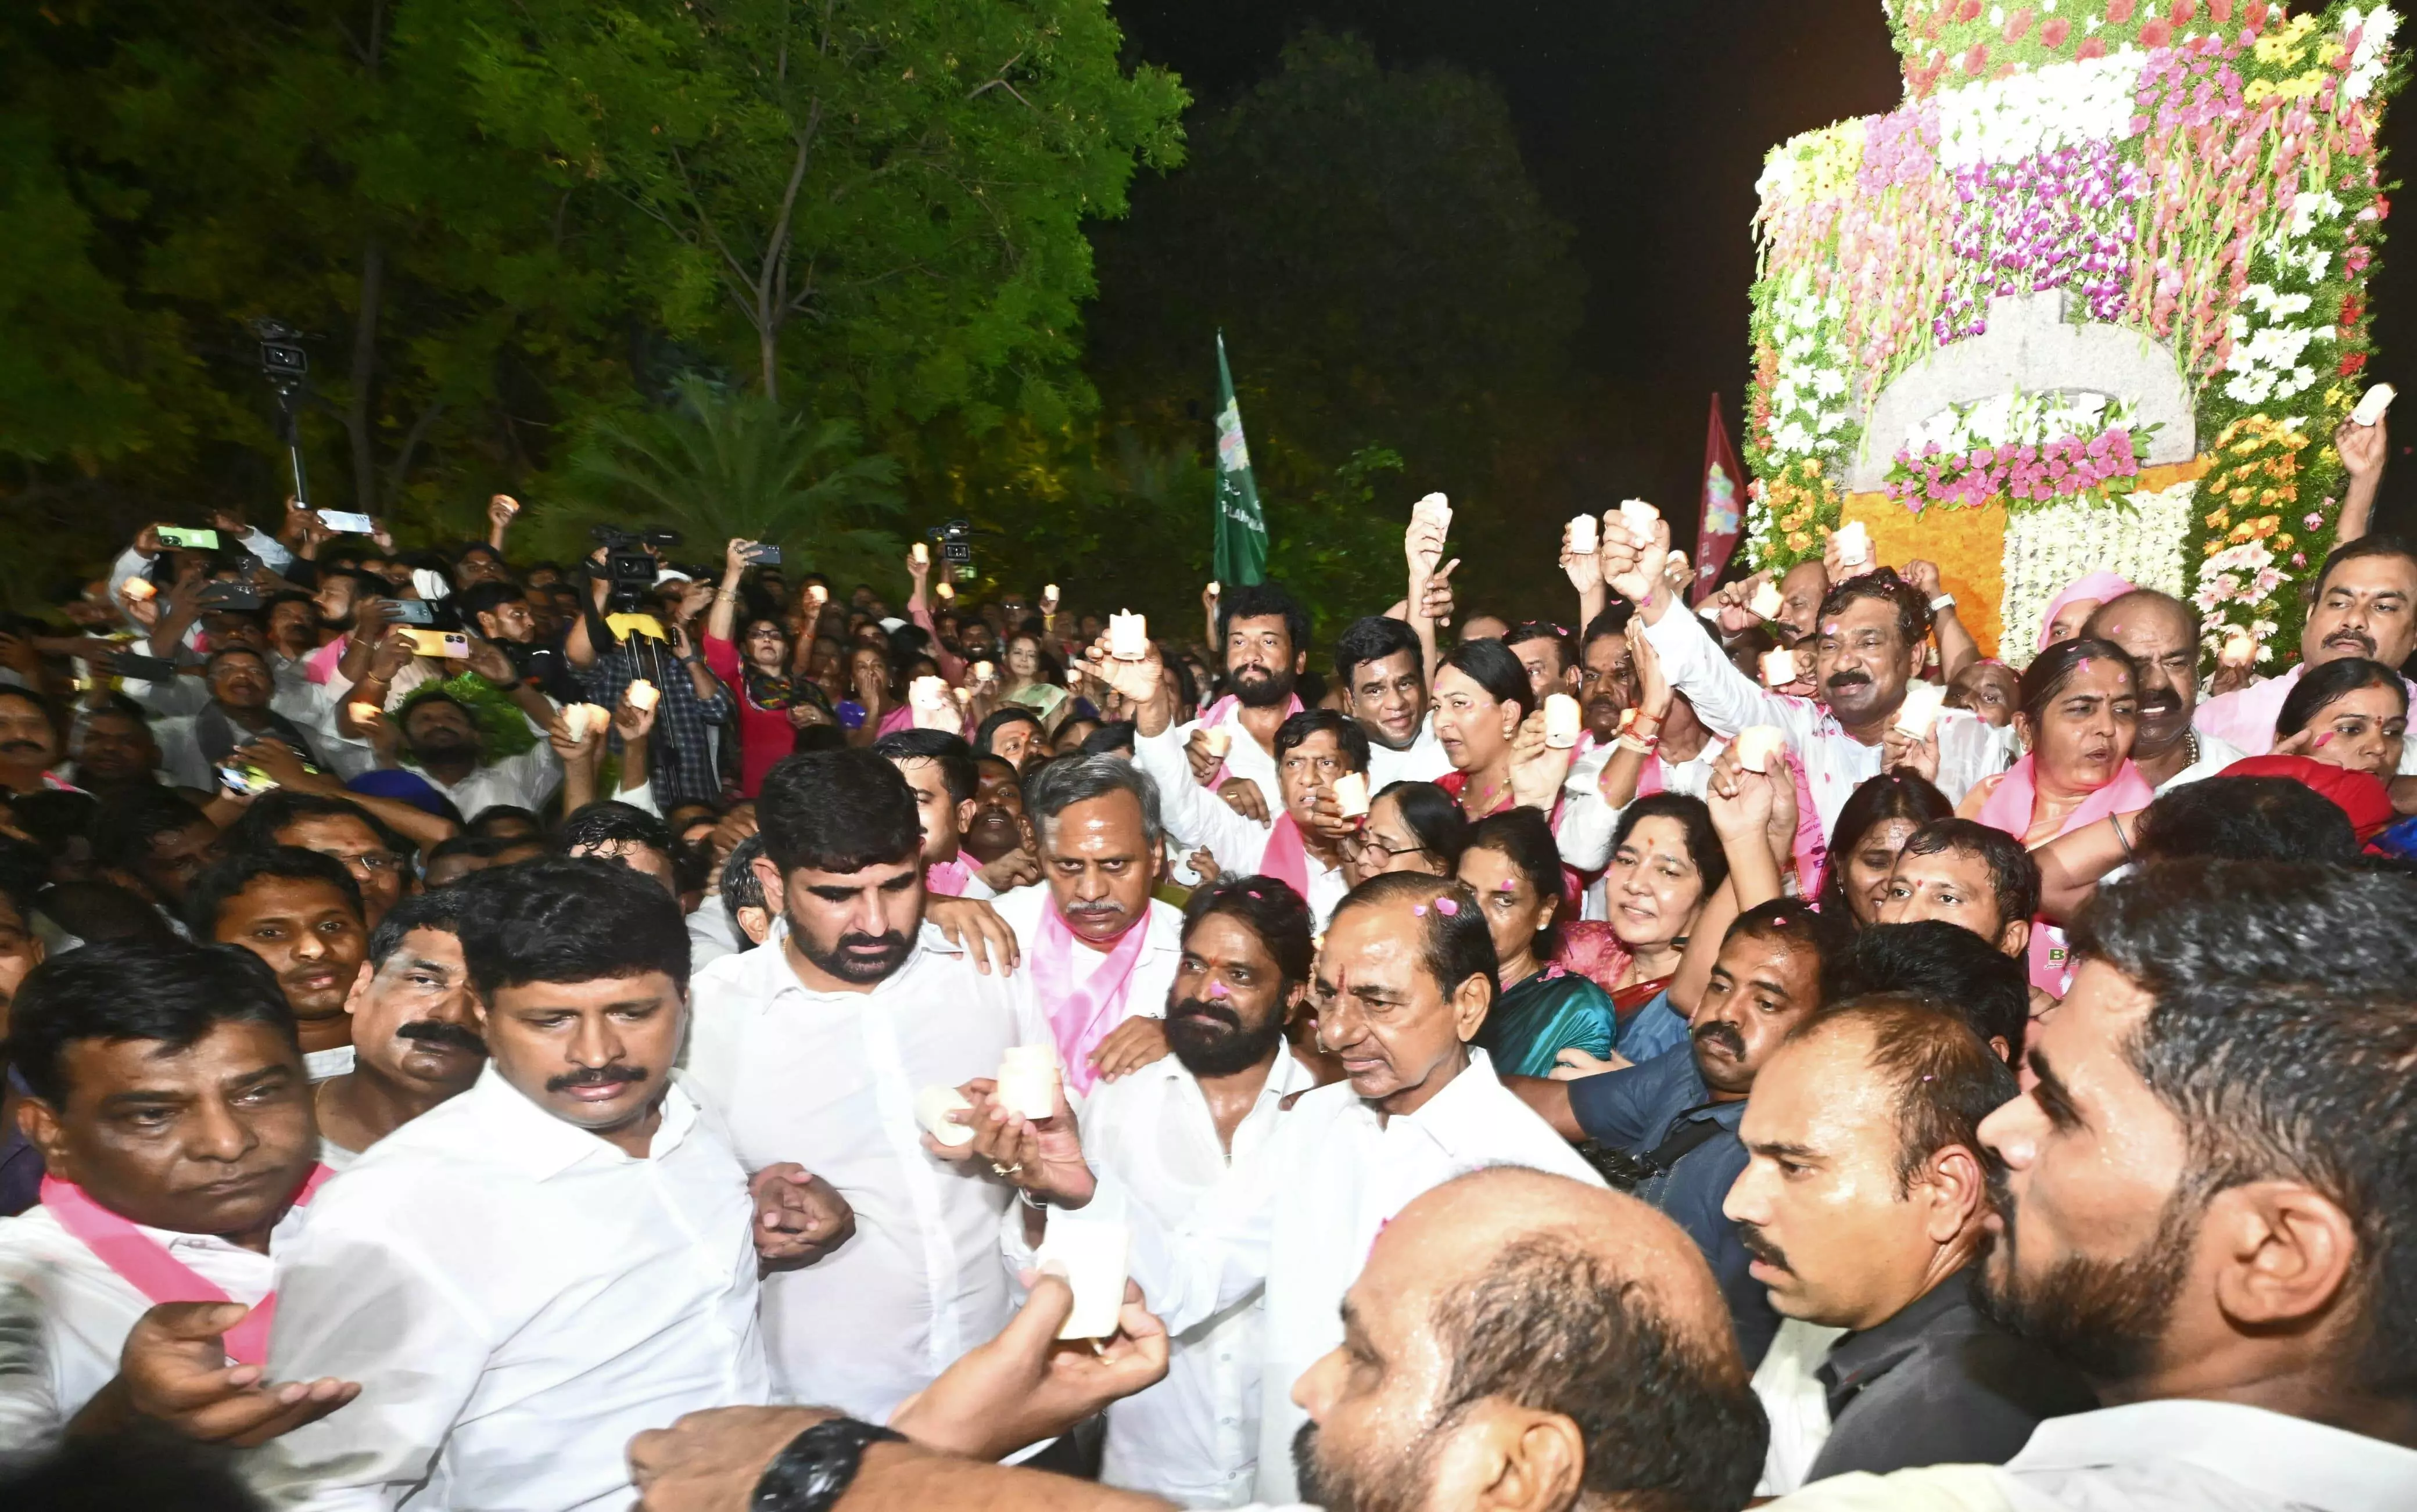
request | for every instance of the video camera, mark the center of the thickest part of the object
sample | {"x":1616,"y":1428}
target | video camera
{"x":629,"y":567}
{"x":956,"y":542}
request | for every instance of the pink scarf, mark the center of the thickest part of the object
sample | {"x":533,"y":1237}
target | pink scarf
{"x":1214,"y":715}
{"x":145,"y":1263}
{"x":1286,"y":857}
{"x":947,"y":878}
{"x":1080,"y":1017}
{"x":2010,"y":808}
{"x":2099,"y":585}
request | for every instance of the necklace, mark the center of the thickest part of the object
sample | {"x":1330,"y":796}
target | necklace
{"x":1475,"y":809}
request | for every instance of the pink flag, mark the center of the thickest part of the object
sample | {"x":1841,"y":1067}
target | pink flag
{"x":1716,"y":538}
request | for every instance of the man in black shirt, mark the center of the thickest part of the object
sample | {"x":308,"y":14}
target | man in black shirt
{"x":1864,"y":1203}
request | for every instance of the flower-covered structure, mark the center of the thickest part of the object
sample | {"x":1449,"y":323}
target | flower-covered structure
{"x":2093,"y":297}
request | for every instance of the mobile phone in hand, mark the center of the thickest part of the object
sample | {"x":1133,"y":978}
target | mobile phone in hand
{"x":144,"y":669}
{"x":348,"y":522}
{"x":440,"y":643}
{"x":411,"y":611}
{"x":763,"y":556}
{"x":191,"y":540}
{"x":229,"y":596}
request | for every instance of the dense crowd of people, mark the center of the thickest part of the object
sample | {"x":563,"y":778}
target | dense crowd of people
{"x":487,"y":1032}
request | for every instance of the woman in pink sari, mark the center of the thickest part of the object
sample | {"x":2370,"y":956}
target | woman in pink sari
{"x":2080,"y":709}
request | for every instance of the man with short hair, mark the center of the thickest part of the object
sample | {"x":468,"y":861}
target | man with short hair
{"x":1265,"y":634}
{"x":336,"y":828}
{"x":816,"y":1052}
{"x":29,"y":742}
{"x":1381,"y":669}
{"x":156,"y":843}
{"x":998,"y":829}
{"x":113,"y":750}
{"x":1674,"y":1118}
{"x":1863,"y":1204}
{"x":621,"y":833}
{"x":1544,"y":652}
{"x":415,"y":1028}
{"x":1174,"y":1132}
{"x":1943,"y":963}
{"x":167,"y":1097}
{"x":302,"y":913}
{"x":1404,"y":981}
{"x":530,"y":1272}
{"x":1101,"y":950}
{"x":1606,"y":673}
{"x":2161,"y":635}
{"x":1967,"y":874}
{"x":2364,"y":604}
{"x":239,"y":685}
{"x":445,"y":740}
{"x":939,"y":766}
{"x":2206,"y":1204}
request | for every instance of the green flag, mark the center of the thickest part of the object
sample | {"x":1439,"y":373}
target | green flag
{"x":1241,"y":530}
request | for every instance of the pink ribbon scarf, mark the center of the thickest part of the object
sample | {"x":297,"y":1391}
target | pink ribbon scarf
{"x":145,"y":1263}
{"x":1080,"y":1017}
{"x":947,"y":878}
{"x":2009,"y":806}
{"x":1286,"y":857}
{"x":1214,"y":715}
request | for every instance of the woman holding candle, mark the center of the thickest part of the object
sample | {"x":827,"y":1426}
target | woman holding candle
{"x":771,"y":705}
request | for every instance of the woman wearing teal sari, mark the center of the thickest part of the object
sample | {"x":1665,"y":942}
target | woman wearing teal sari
{"x":1514,"y":867}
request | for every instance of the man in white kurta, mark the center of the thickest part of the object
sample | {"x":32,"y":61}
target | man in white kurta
{"x":1306,"y":767}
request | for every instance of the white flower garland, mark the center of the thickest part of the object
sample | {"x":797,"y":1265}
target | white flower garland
{"x":2046,"y":548}
{"x":2006,"y":119}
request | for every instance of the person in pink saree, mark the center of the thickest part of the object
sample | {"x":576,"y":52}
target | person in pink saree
{"x":2080,"y":710}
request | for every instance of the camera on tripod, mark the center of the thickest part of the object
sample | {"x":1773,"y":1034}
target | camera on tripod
{"x":956,"y":540}
{"x":630,"y":569}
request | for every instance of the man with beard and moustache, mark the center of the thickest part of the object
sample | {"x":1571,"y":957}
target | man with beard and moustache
{"x":1265,"y":633}
{"x":444,"y":740}
{"x":1403,"y":979}
{"x":1870,"y":641}
{"x":1517,"y":1342}
{"x":1101,"y":950}
{"x":1863,"y":1206}
{"x":1606,"y":675}
{"x":2205,"y":1206}
{"x":415,"y":1027}
{"x":1672,"y":1121}
{"x":530,"y":1272}
{"x":167,"y":1097}
{"x":155,"y":844}
{"x":2365,"y":604}
{"x":300,"y":912}
{"x":817,"y":1051}
{"x":1382,"y":672}
{"x":1174,"y":1132}
{"x":2160,"y":634}
{"x":29,"y":743}
{"x":502,"y":612}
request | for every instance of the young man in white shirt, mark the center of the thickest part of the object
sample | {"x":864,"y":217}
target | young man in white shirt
{"x":2207,"y":1203}
{"x":1265,"y":634}
{"x":414,"y":1025}
{"x":302,"y":913}
{"x":815,"y":1048}
{"x":1404,"y":981}
{"x":171,"y":1109}
{"x":1174,"y":1132}
{"x":1100,"y":949}
{"x":563,"y":1255}
{"x":1381,"y":668}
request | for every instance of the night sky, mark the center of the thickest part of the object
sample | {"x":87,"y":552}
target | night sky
{"x":1644,"y":126}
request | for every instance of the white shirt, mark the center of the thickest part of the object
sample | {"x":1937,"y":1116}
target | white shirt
{"x":1244,"y":756}
{"x":2172,"y":1456}
{"x":1200,"y":818}
{"x":64,"y":1314}
{"x":829,"y":1080}
{"x":1835,"y":764}
{"x":712,"y":933}
{"x":1421,"y":761}
{"x":2215,"y":755}
{"x":1301,"y":1219}
{"x":1193,"y":1438}
{"x":1794,"y":1402}
{"x":322,"y":1065}
{"x":1153,"y":974}
{"x":517,"y":1297}
{"x":522,"y":781}
{"x":2245,"y":717}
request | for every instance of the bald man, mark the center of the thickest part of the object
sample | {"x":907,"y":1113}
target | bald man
{"x":1517,"y":1340}
{"x":2160,"y":634}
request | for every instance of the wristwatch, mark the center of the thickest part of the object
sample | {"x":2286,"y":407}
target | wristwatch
{"x":1945,"y":601}
{"x":819,"y":1466}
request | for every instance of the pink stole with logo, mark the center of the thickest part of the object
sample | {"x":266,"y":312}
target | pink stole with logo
{"x":1080,"y":1017}
{"x":145,"y":1264}
{"x":2009,"y":808}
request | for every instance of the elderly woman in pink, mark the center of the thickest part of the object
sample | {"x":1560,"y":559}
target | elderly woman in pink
{"x":2080,"y":710}
{"x":2069,"y":610}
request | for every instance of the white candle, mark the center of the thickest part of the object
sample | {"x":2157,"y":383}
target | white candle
{"x":2240,"y":649}
{"x":2372,"y":404}
{"x":368,"y":713}
{"x":932,"y":1106}
{"x":1778,"y":668}
{"x":1092,"y":1254}
{"x":1854,"y":544}
{"x":1562,"y":718}
{"x":920,"y":553}
{"x":1128,"y":636}
{"x":984,"y":671}
{"x":1756,"y":746}
{"x":1027,"y":1080}
{"x":1219,"y":740}
{"x":1582,"y":535}
{"x":1436,"y":510}
{"x":1640,"y":518}
{"x":1920,"y":711}
{"x":1765,"y":601}
{"x":1351,"y":793}
{"x":643,"y":695}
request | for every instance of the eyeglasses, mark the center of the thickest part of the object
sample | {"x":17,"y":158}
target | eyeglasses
{"x":1380,"y":852}
{"x":373,"y":864}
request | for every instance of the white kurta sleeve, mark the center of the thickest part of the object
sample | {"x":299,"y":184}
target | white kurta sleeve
{"x":1726,"y":698}
{"x":1196,"y":816}
{"x":1584,"y":831}
{"x":1217,"y":1256}
{"x":1969,"y":749}
{"x":30,"y":1419}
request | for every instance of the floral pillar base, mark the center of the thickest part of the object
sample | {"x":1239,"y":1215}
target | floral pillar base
{"x":1968,"y":545}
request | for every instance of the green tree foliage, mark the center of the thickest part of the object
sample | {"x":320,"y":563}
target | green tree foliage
{"x":722,"y":465}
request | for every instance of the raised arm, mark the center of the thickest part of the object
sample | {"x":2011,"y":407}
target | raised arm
{"x":2363,"y":449}
{"x":1958,"y":650}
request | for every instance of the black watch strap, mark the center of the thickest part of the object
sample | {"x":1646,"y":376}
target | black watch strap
{"x":819,"y":1466}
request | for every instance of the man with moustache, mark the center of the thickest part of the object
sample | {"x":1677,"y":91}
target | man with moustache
{"x":1174,"y":1133}
{"x":1404,"y":981}
{"x":2206,"y":1206}
{"x":2364,"y":604}
{"x":1382,"y":672}
{"x":1870,"y":641}
{"x":816,"y":1052}
{"x":29,"y":743}
{"x":114,"y":749}
{"x":193,"y":746}
{"x":1607,"y":673}
{"x":1265,"y":633}
{"x":1672,"y":1121}
{"x":300,"y":912}
{"x":526,"y":1275}
{"x":2160,"y":634}
{"x":415,"y":1027}
{"x":1863,"y":1204}
{"x":1543,"y":653}
{"x":166,"y":1095}
{"x":1101,"y":950}
{"x":998,"y":830}
{"x":446,"y":742}
{"x":156,"y":844}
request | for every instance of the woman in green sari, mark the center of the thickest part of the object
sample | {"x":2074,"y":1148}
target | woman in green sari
{"x":1514,"y":867}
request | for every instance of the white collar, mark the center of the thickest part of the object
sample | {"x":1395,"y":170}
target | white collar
{"x":544,"y":1145}
{"x":2293,"y":1459}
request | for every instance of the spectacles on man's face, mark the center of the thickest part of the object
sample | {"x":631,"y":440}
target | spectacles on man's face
{"x":373,"y":865}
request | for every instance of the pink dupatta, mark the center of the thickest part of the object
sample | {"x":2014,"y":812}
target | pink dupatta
{"x":2009,"y":806}
{"x":1214,"y":715}
{"x":145,"y":1263}
{"x":1080,"y":1017}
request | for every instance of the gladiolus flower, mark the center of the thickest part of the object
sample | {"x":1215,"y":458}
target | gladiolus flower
{"x":2156,"y":32}
{"x":2117,"y":11}
{"x":2055,"y":30}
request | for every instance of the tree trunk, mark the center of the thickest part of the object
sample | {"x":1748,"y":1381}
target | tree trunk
{"x":767,"y":342}
{"x":360,"y":415}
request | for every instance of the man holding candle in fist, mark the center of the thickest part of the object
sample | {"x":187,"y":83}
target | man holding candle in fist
{"x":1265,"y":634}
{"x":1868,"y":646}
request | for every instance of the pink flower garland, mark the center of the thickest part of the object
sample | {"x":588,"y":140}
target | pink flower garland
{"x":2058,"y":469}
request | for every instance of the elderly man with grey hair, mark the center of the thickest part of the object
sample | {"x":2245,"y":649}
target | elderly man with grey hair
{"x":1101,"y":952}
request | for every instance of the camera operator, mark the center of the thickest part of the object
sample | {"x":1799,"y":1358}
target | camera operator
{"x":605,"y":660}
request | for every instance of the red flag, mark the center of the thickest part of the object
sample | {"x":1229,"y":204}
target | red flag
{"x":1724,"y":516}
